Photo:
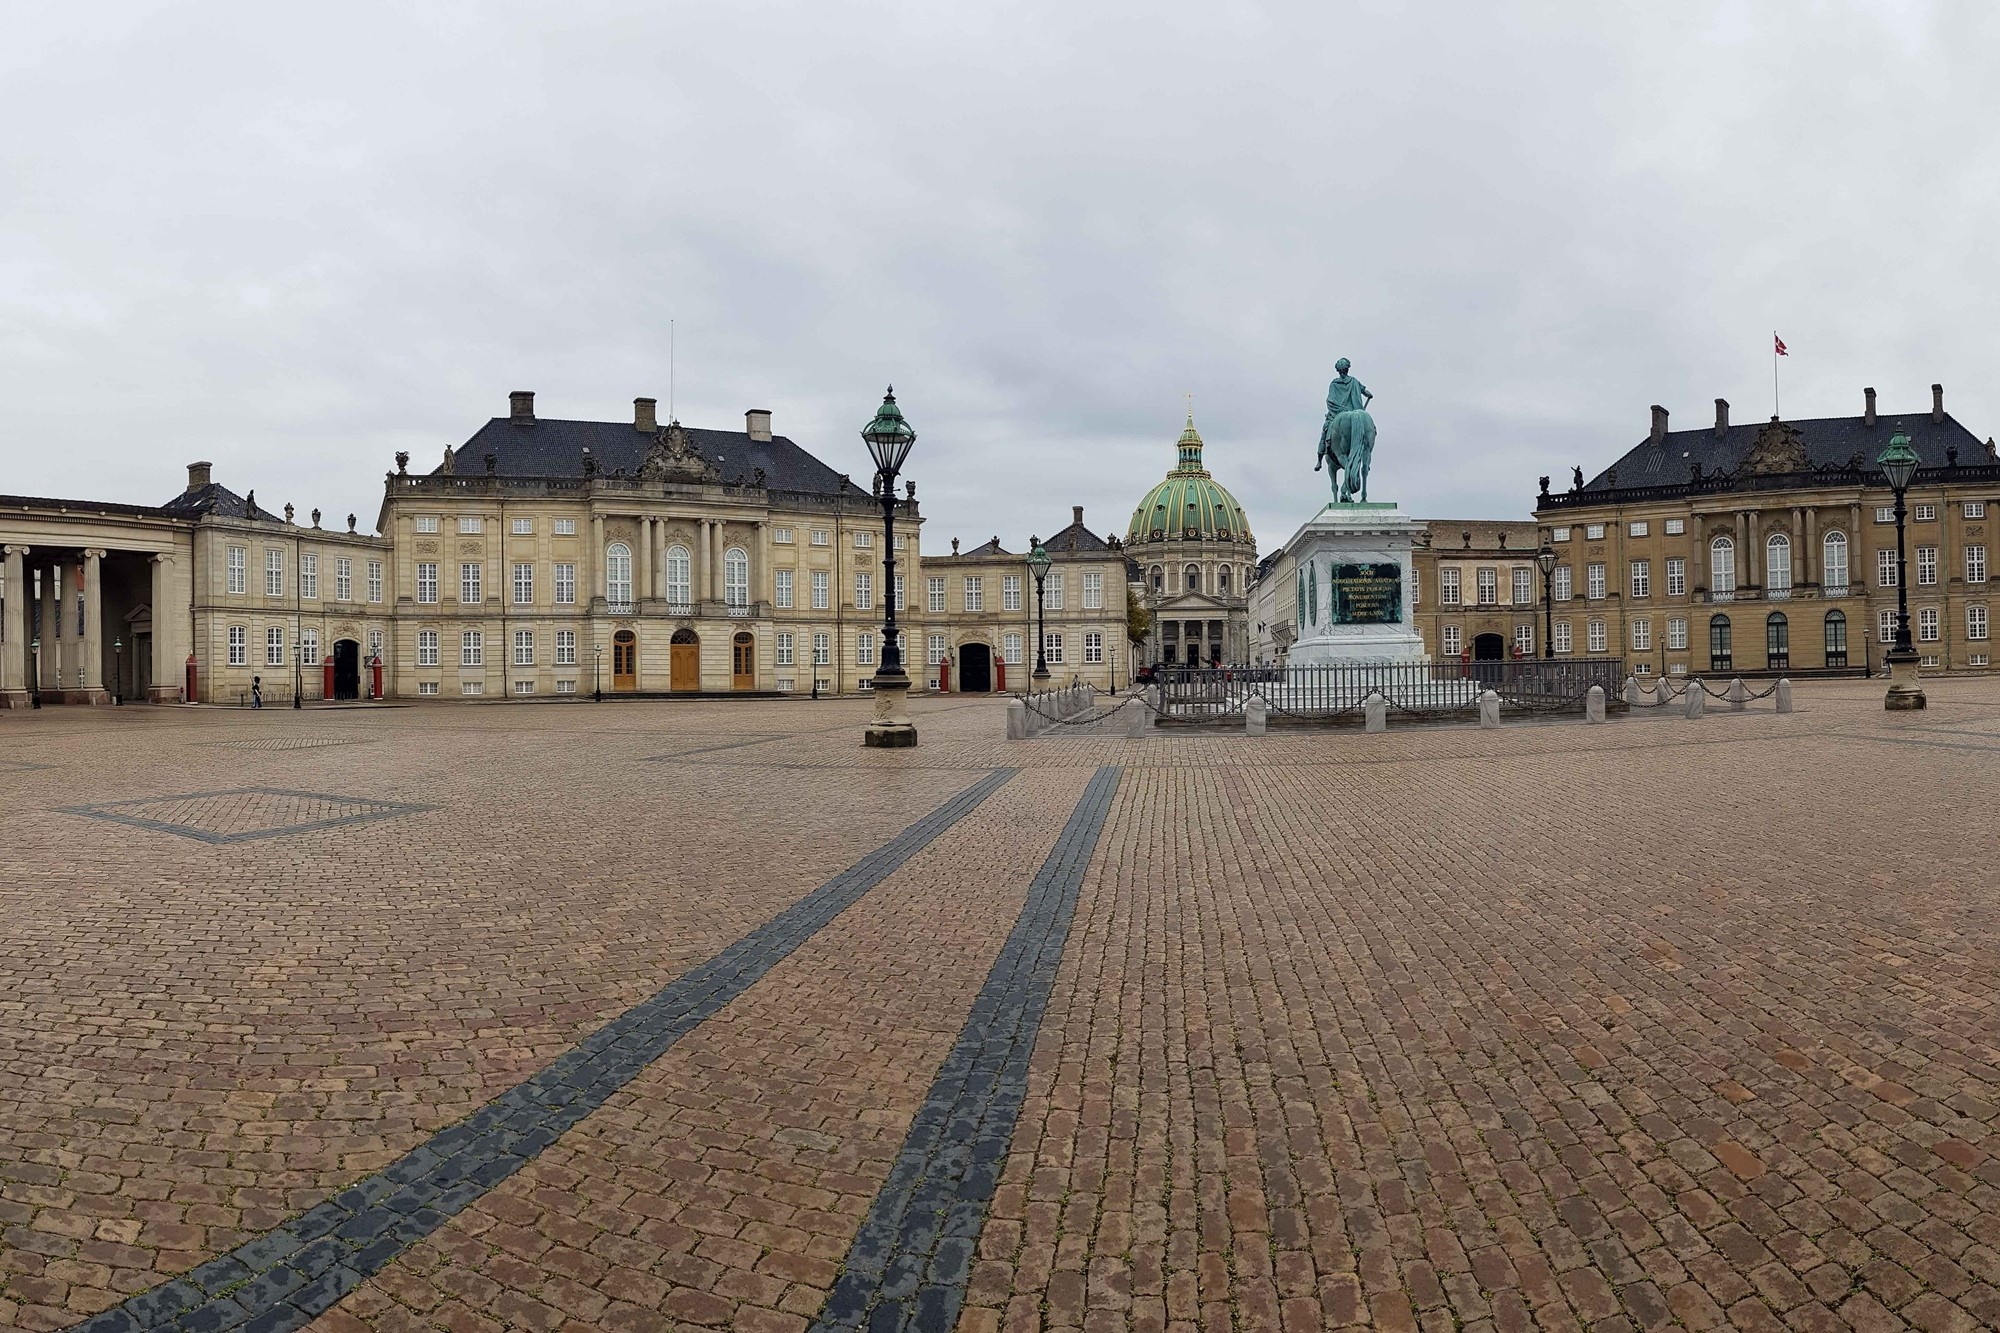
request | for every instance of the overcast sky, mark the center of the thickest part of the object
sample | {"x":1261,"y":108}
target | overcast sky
{"x":295,"y":242}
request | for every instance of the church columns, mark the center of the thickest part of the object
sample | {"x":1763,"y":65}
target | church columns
{"x":93,"y":624}
{"x":1753,"y":554}
{"x":14,"y":632}
{"x":704,"y":538}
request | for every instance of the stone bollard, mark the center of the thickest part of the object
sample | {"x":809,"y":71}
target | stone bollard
{"x":1255,"y":714}
{"x":1375,"y":712}
{"x":1784,"y":695}
{"x":1631,"y":691}
{"x":1017,"y":720}
{"x":1489,"y":709}
{"x":1593,"y":703}
{"x":1695,"y":695}
{"x":1142,"y":715}
{"x":1739,"y":695}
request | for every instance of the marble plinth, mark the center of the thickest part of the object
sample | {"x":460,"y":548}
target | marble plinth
{"x":1358,"y":587}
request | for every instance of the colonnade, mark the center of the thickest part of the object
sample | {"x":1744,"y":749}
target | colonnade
{"x":649,"y":562}
{"x":52,"y":641}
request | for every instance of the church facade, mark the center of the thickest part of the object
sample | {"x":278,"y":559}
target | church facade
{"x":1195,"y":559}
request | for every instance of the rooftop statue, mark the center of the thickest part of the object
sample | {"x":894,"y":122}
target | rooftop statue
{"x":1347,"y":440}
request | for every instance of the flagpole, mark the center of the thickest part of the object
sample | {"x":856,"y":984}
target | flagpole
{"x":1774,"y":373}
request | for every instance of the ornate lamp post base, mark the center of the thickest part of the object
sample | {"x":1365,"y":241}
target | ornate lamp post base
{"x":1904,"y":694}
{"x":890,"y":728}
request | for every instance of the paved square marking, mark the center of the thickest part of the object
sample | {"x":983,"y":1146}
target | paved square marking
{"x":244,"y":814}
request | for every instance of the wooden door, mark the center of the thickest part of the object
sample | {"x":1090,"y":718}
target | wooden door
{"x":624,"y":661}
{"x":684,"y":661}
{"x":743,"y":662}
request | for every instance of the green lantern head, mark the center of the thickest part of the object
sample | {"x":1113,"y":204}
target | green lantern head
{"x":1899,"y":463}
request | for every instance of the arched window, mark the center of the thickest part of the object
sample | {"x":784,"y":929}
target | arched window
{"x":618,"y":574}
{"x":1778,"y":565}
{"x":1833,"y":564}
{"x":679,"y":577}
{"x":1777,"y":641}
{"x":1191,"y":580}
{"x":1720,"y":658}
{"x":1836,"y":638}
{"x":736,"y":577}
{"x":1222,"y":580}
{"x":1722,"y":568}
{"x":1159,"y":579}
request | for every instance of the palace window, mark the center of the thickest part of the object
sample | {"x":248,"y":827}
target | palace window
{"x":1721,"y":652}
{"x":1885,"y":569}
{"x":1836,"y":638}
{"x":1973,"y":509}
{"x":782,"y":591}
{"x":1642,"y":578}
{"x":864,"y":649}
{"x":374,"y":643}
{"x":822,"y":594}
{"x":1454,"y":641}
{"x":565,"y":647}
{"x":1927,"y":625}
{"x":1885,"y":513}
{"x":1677,"y":576}
{"x":1010,"y":592}
{"x":238,"y":563}
{"x":565,"y":527}
{"x":239,"y":652}
{"x":1564,"y":588}
{"x":309,"y":576}
{"x":1093,"y":646}
{"x":1055,"y":591}
{"x":472,"y":648}
{"x":1593,"y":532}
{"x":1833,"y":560}
{"x":469,"y":524}
{"x":524,"y":687}
{"x":1637,"y":528}
{"x":1975,"y":564}
{"x":1054,"y":646}
{"x":1524,"y":592}
{"x":680,"y":577}
{"x":1975,"y":622}
{"x":1594,"y":582}
{"x":1777,"y":641}
{"x":427,"y":647}
{"x":524,"y":647}
{"x":821,"y":537}
{"x":1885,"y":626}
{"x":864,"y":539}
{"x":1559,"y":535}
{"x":470,"y":578}
{"x":1722,"y":568}
{"x":864,"y":592}
{"x":1677,"y":634}
{"x":1598,"y":640}
{"x":1642,"y":635}
{"x":524,"y":584}
{"x":935,"y":591}
{"x":1778,"y":565}
{"x":782,"y":537}
{"x":822,"y":649}
{"x":618,"y":574}
{"x":1488,"y":582}
{"x":1448,"y":587}
{"x":274,"y":573}
{"x":785,"y":648}
{"x":1927,"y":565}
{"x":1676,"y":526}
{"x":1093,"y":591}
{"x":736,"y":577}
{"x":524,"y":527}
{"x":1926,"y":513}
{"x":274,"y":646}
{"x":309,"y":646}
{"x":975,"y":593}
{"x":343,"y":579}
{"x":1561,"y":638}
{"x":1524,"y":640}
{"x":565,"y":573}
{"x":1010,"y":649}
{"x":472,"y":687}
{"x":902,"y":602}
{"x":374,"y":580}
{"x":427,"y":522}
{"x":427,"y":687}
{"x":934,"y":649}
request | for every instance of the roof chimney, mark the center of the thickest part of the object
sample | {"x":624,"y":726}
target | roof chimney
{"x":197,"y":476}
{"x":1721,"y":417}
{"x":757,"y":423}
{"x":1659,"y":424}
{"x":1868,"y":407}
{"x":1937,"y":403}
{"x":643,"y":415}
{"x":1076,"y":512}
{"x":521,"y":407}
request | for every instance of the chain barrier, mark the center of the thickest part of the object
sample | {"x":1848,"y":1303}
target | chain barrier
{"x":1078,"y":721}
{"x":1655,"y":690}
{"x":1747,"y":698}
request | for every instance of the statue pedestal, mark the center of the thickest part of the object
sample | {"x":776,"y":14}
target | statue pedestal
{"x":1356,"y":587}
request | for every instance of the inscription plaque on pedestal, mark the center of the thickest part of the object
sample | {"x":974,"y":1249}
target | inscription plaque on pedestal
{"x":1366,"y":594}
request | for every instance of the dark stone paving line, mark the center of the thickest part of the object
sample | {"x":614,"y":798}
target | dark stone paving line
{"x":377,"y":809}
{"x":290,"y":1276}
{"x":912,"y":1258}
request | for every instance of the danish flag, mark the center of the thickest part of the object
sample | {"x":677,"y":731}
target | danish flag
{"x":1778,"y":345}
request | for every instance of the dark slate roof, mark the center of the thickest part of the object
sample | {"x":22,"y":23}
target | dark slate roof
{"x":1076,"y":539}
{"x":83,"y":506}
{"x":216,"y":499}
{"x":1830,"y":443}
{"x":989,"y":547}
{"x":547,"y":447}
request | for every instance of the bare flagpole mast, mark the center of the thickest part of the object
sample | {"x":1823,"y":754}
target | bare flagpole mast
{"x":1774,"y":374}
{"x":670,"y":372}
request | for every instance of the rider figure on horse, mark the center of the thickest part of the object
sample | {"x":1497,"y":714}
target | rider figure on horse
{"x":1348,"y":437}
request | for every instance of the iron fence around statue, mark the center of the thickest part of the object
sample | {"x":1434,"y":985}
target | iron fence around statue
{"x":1434,"y":689}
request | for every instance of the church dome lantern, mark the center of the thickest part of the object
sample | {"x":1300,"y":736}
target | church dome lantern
{"x":1189,"y":505}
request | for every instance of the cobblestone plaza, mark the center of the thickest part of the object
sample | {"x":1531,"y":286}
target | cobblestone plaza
{"x":698,"y":1015}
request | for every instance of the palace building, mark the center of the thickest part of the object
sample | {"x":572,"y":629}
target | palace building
{"x":1196,"y":557}
{"x":1772,"y":546}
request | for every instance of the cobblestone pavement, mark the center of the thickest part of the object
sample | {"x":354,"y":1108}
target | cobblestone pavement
{"x":1663,"y":1022}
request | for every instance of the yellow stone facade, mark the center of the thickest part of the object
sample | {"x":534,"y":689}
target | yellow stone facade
{"x":1479,"y":594}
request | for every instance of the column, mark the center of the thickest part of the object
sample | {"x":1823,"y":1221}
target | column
{"x":642,"y":561}
{"x":597,"y":554}
{"x":658,"y":556}
{"x":14,"y":633}
{"x":1808,"y":526}
{"x":715,"y":562}
{"x":702,"y":562}
{"x":169,"y":664}
{"x":93,"y":622}
{"x":1753,"y":555}
{"x":48,"y":677}
{"x":1742,"y":548}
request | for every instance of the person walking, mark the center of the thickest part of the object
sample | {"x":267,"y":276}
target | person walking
{"x":256,"y":691}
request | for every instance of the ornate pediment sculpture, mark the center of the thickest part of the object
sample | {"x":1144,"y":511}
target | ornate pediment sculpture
{"x":1778,"y":448}
{"x":672,"y":457}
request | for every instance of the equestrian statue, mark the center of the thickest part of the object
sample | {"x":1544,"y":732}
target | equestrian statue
{"x":1347,"y":440}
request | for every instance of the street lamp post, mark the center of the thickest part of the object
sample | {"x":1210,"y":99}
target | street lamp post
{"x":1545,"y":560}
{"x":1899,"y":464}
{"x":889,"y":438}
{"x":597,"y":689}
{"x":118,"y":669}
{"x":1038,"y":564}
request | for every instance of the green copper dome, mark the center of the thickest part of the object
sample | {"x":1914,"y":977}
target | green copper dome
{"x":1189,"y":503}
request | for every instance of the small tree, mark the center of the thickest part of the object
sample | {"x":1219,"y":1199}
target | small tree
{"x":1138,"y":622}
